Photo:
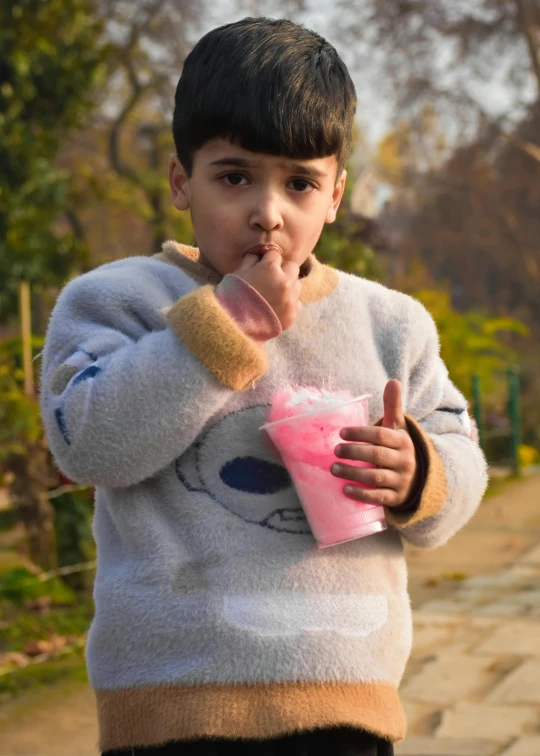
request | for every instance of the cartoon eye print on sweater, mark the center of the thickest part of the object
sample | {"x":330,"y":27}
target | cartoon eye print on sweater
{"x":461,"y":414}
{"x":80,"y":367}
{"x":254,"y":485}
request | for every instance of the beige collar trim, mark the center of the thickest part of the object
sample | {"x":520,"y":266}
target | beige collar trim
{"x":318,"y":280}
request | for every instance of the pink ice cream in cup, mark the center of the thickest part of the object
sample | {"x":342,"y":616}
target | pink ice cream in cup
{"x":304,"y":426}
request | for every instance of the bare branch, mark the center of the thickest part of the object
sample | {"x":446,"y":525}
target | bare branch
{"x":137,"y":90}
{"x":531,"y":149}
{"x":527,"y":25}
{"x":75,"y":223}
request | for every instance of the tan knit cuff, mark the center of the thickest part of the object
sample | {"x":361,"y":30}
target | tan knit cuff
{"x":213,"y":336}
{"x":155,"y":714}
{"x":433,"y":495}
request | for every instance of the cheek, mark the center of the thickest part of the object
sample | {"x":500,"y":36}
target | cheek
{"x":309,"y":225}
{"x":210,"y":217}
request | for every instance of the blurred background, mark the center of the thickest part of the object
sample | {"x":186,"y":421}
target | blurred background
{"x":442,"y":202}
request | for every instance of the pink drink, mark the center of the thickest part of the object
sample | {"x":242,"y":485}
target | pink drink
{"x":306,"y":442}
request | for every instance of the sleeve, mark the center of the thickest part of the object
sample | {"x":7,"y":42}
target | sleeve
{"x":129,"y":381}
{"x":452,"y":464}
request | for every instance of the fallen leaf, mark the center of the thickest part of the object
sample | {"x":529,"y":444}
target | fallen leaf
{"x":36,"y":648}
{"x":40,"y":605}
{"x":458,"y":576}
{"x":13,"y":658}
{"x":513,"y":543}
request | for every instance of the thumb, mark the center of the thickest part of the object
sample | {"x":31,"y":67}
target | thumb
{"x":393,"y":410}
{"x":248,"y":261}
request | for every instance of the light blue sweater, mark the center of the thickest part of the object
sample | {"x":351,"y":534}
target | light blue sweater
{"x":215,"y":612}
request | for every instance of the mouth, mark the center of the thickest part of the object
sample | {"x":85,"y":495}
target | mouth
{"x":262,"y":249}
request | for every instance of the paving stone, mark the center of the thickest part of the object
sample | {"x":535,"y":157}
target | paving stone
{"x":446,"y":606}
{"x":520,"y":686}
{"x":448,"y":677}
{"x":501,"y":608}
{"x":526,"y":746}
{"x":527,"y":598}
{"x":484,"y":722}
{"x":484,"y":621}
{"x":429,"y":636}
{"x":428,"y":746}
{"x":418,"y":716}
{"x":423,"y":616}
{"x":475,"y":595}
{"x":526,"y":570}
{"x":531,"y":557}
{"x":515,"y":637}
{"x":503,"y":579}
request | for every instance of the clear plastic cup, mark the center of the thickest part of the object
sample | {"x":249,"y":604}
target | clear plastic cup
{"x":306,"y":443}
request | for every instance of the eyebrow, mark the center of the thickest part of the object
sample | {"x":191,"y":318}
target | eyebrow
{"x":240,"y":162}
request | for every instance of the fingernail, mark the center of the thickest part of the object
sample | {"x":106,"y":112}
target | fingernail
{"x":344,"y":434}
{"x":336,"y":469}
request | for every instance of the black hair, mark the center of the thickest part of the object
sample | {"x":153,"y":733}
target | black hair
{"x":270,"y":86}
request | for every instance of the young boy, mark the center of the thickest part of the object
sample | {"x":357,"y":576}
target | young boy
{"x":220,"y":628}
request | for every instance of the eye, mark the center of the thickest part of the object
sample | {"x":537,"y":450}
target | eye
{"x":302,"y":186}
{"x":234,"y":179}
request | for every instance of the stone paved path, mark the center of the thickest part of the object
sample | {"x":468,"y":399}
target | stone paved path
{"x":472,"y":686}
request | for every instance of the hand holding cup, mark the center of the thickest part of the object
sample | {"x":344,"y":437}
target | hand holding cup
{"x":389,"y":448}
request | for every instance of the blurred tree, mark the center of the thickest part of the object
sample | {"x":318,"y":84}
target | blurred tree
{"x":474,"y":221}
{"x":350,"y":243}
{"x":25,"y":463}
{"x":51,"y":59}
{"x":443,"y":54}
{"x":471,"y":342}
{"x":150,"y":41}
{"x":407,"y":153}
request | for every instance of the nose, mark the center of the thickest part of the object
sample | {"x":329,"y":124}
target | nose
{"x":266,"y":213}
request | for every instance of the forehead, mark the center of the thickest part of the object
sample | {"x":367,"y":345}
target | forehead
{"x":222,"y":152}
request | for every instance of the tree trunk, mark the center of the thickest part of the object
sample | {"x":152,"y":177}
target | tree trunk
{"x":32,"y":476}
{"x":527,"y":20}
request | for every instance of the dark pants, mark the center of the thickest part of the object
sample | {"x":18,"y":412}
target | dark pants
{"x":338,"y":741}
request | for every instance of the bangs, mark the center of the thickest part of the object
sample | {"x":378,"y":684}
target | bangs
{"x":273,"y":88}
{"x":276,"y":117}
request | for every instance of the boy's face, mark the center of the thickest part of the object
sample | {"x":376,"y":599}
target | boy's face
{"x":240,"y":199}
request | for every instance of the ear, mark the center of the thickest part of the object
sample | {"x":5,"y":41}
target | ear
{"x":337,"y":194}
{"x":179,"y":183}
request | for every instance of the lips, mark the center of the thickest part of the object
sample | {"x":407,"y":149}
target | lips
{"x":262,"y":249}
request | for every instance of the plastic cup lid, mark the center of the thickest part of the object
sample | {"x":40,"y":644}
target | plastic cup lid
{"x":329,"y":408}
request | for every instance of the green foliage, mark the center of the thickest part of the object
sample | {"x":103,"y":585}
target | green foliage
{"x":528,"y":456}
{"x":51,"y":60}
{"x":19,"y":625}
{"x":73,"y":527}
{"x":343,"y":244}
{"x":19,"y":585}
{"x":20,"y":424}
{"x":70,"y":668}
{"x":471,"y":342}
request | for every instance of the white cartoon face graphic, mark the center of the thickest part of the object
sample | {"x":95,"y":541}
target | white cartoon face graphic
{"x":255,"y":487}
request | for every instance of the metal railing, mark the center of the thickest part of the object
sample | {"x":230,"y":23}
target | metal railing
{"x":488,"y":435}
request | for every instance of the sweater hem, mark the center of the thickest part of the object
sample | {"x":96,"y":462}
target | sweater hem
{"x":156,"y":714}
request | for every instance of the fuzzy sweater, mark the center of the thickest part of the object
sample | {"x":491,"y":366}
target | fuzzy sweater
{"x":215,"y":612}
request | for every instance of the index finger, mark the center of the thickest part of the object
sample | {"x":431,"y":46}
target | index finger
{"x":369,"y":434}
